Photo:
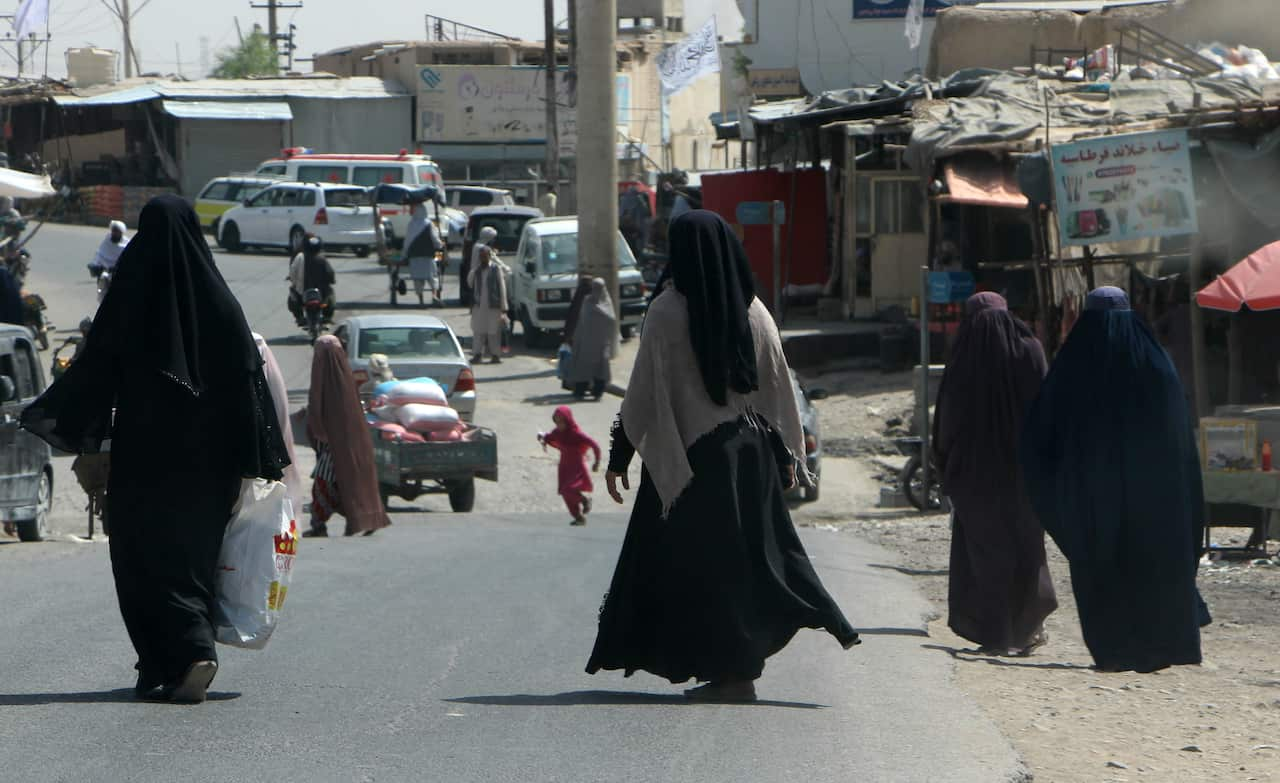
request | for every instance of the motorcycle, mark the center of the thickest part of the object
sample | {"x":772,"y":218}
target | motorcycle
{"x":33,"y":308}
{"x":313,"y":308}
{"x":19,"y":263}
{"x":62,"y":363}
{"x":912,"y":477}
{"x":104,"y":282}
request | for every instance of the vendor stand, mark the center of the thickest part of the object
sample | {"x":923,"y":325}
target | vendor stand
{"x":1242,"y":490}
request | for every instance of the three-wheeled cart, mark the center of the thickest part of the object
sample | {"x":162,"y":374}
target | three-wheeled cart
{"x":407,"y":470}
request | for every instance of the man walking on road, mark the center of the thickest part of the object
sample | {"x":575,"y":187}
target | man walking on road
{"x":489,"y":310}
{"x":549,"y":202}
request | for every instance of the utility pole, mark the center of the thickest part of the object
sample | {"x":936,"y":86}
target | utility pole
{"x":121,"y":11}
{"x":597,"y":152}
{"x":551,"y":172}
{"x":273,"y":25}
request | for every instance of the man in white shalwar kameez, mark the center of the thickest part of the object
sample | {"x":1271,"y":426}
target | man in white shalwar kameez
{"x":489,"y":300}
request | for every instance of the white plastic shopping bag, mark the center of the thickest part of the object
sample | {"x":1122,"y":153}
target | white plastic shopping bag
{"x":255,"y":564}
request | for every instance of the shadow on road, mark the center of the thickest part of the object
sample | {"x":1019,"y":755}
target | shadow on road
{"x":610,"y":698}
{"x":120,"y":695}
{"x":892,"y":632}
{"x":911,"y":571}
{"x":974,"y":655}
{"x":528,"y":376}
{"x":563,"y":398}
{"x":301,"y":338}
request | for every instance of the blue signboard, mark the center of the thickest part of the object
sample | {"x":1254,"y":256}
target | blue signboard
{"x":948,"y":287}
{"x":756,"y":213}
{"x":894,"y":9}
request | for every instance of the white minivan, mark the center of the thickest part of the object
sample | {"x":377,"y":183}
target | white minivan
{"x":282,"y":214}
{"x":354,"y":169}
{"x":469,"y":198}
{"x":545,"y":273}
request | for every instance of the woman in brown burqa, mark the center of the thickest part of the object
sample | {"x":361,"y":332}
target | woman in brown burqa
{"x":345,"y":479}
{"x":170,"y":375}
{"x":1000,"y":591}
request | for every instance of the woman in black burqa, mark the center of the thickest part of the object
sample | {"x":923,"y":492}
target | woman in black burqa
{"x":999,"y":591}
{"x":1113,"y":473}
{"x":712,"y":578}
{"x":171,"y":353}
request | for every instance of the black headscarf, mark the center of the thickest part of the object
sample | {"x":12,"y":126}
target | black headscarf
{"x":169,"y":313}
{"x":11,"y":311}
{"x":710,"y":268}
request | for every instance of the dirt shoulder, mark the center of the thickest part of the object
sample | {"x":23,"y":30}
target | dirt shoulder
{"x":1215,"y":722}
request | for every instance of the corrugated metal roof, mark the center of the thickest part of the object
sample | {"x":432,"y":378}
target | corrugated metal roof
{"x":228,"y":110}
{"x":214,"y":89}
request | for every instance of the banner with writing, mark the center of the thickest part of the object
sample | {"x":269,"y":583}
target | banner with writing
{"x":681,"y":64}
{"x":1130,"y":186}
{"x":894,"y":9}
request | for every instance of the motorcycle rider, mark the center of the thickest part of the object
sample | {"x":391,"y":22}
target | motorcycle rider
{"x":311,"y":269}
{"x":111,"y":248}
{"x":11,"y":225}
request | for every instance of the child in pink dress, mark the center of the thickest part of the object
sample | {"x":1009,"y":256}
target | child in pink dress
{"x":575,"y":479}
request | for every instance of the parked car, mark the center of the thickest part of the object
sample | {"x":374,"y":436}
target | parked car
{"x":26,"y":462}
{"x":545,"y":274}
{"x":508,"y":221}
{"x":396,"y":215}
{"x":469,"y":198}
{"x":223,"y":193}
{"x":302,"y":165}
{"x":281,"y":214}
{"x":417,"y":346}
{"x":812,"y":438}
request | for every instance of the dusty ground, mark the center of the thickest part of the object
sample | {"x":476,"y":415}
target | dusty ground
{"x":1215,"y":722}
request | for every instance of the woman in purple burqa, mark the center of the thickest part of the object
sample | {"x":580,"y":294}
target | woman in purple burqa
{"x":1000,"y":590}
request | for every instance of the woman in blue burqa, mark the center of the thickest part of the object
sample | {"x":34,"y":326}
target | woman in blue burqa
{"x":1113,"y":472}
{"x":1000,"y":591}
{"x":171,"y":376}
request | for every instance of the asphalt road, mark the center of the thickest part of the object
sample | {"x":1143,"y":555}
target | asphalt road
{"x":452,"y":647}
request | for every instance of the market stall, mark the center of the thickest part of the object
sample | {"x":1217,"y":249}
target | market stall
{"x":1241,"y":488}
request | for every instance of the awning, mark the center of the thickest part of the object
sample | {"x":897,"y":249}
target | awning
{"x":228,"y":110}
{"x":1252,"y":283}
{"x":20,"y":184}
{"x":982,"y":181}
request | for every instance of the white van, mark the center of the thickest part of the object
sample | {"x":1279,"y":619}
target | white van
{"x":295,"y":165}
{"x":545,"y":274}
{"x":469,"y":198}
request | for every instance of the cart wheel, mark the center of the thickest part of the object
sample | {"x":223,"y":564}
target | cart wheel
{"x":462,"y":496}
{"x":913,"y":486}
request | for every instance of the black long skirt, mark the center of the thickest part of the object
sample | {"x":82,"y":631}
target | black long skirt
{"x":723,"y":583}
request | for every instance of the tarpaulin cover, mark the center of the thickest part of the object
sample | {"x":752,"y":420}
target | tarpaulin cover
{"x":1252,"y":174}
{"x":982,"y":181}
{"x":1252,"y":283}
{"x":20,"y":184}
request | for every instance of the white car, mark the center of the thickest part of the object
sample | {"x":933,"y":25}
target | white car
{"x":283,"y":213}
{"x":417,"y":346}
{"x":469,"y":198}
{"x":544,"y":275}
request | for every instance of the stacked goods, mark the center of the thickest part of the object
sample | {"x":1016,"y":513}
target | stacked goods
{"x":415,"y":411}
{"x":105,"y":202}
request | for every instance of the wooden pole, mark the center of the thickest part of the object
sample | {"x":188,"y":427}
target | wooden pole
{"x":1201,"y":380}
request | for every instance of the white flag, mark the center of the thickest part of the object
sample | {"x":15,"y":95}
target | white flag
{"x":915,"y":22}
{"x":680,"y":64}
{"x":30,"y":17}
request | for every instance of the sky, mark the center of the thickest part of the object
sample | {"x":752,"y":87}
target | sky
{"x":169,"y":34}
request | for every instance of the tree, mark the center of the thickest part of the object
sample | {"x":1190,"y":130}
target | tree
{"x":255,"y":56}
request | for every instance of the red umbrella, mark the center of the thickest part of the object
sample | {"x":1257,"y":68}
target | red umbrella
{"x":1252,"y":283}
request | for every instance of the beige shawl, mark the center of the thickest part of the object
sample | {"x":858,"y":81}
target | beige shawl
{"x":667,"y":409}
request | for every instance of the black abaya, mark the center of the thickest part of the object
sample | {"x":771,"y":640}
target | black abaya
{"x":999,"y":591}
{"x":170,"y":373}
{"x":1113,"y":472}
{"x":721,"y":584}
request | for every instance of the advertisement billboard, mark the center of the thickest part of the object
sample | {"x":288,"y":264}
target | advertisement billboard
{"x":1128,"y":186}
{"x":492,"y":104}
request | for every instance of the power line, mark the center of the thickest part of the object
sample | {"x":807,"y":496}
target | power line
{"x":273,"y":29}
